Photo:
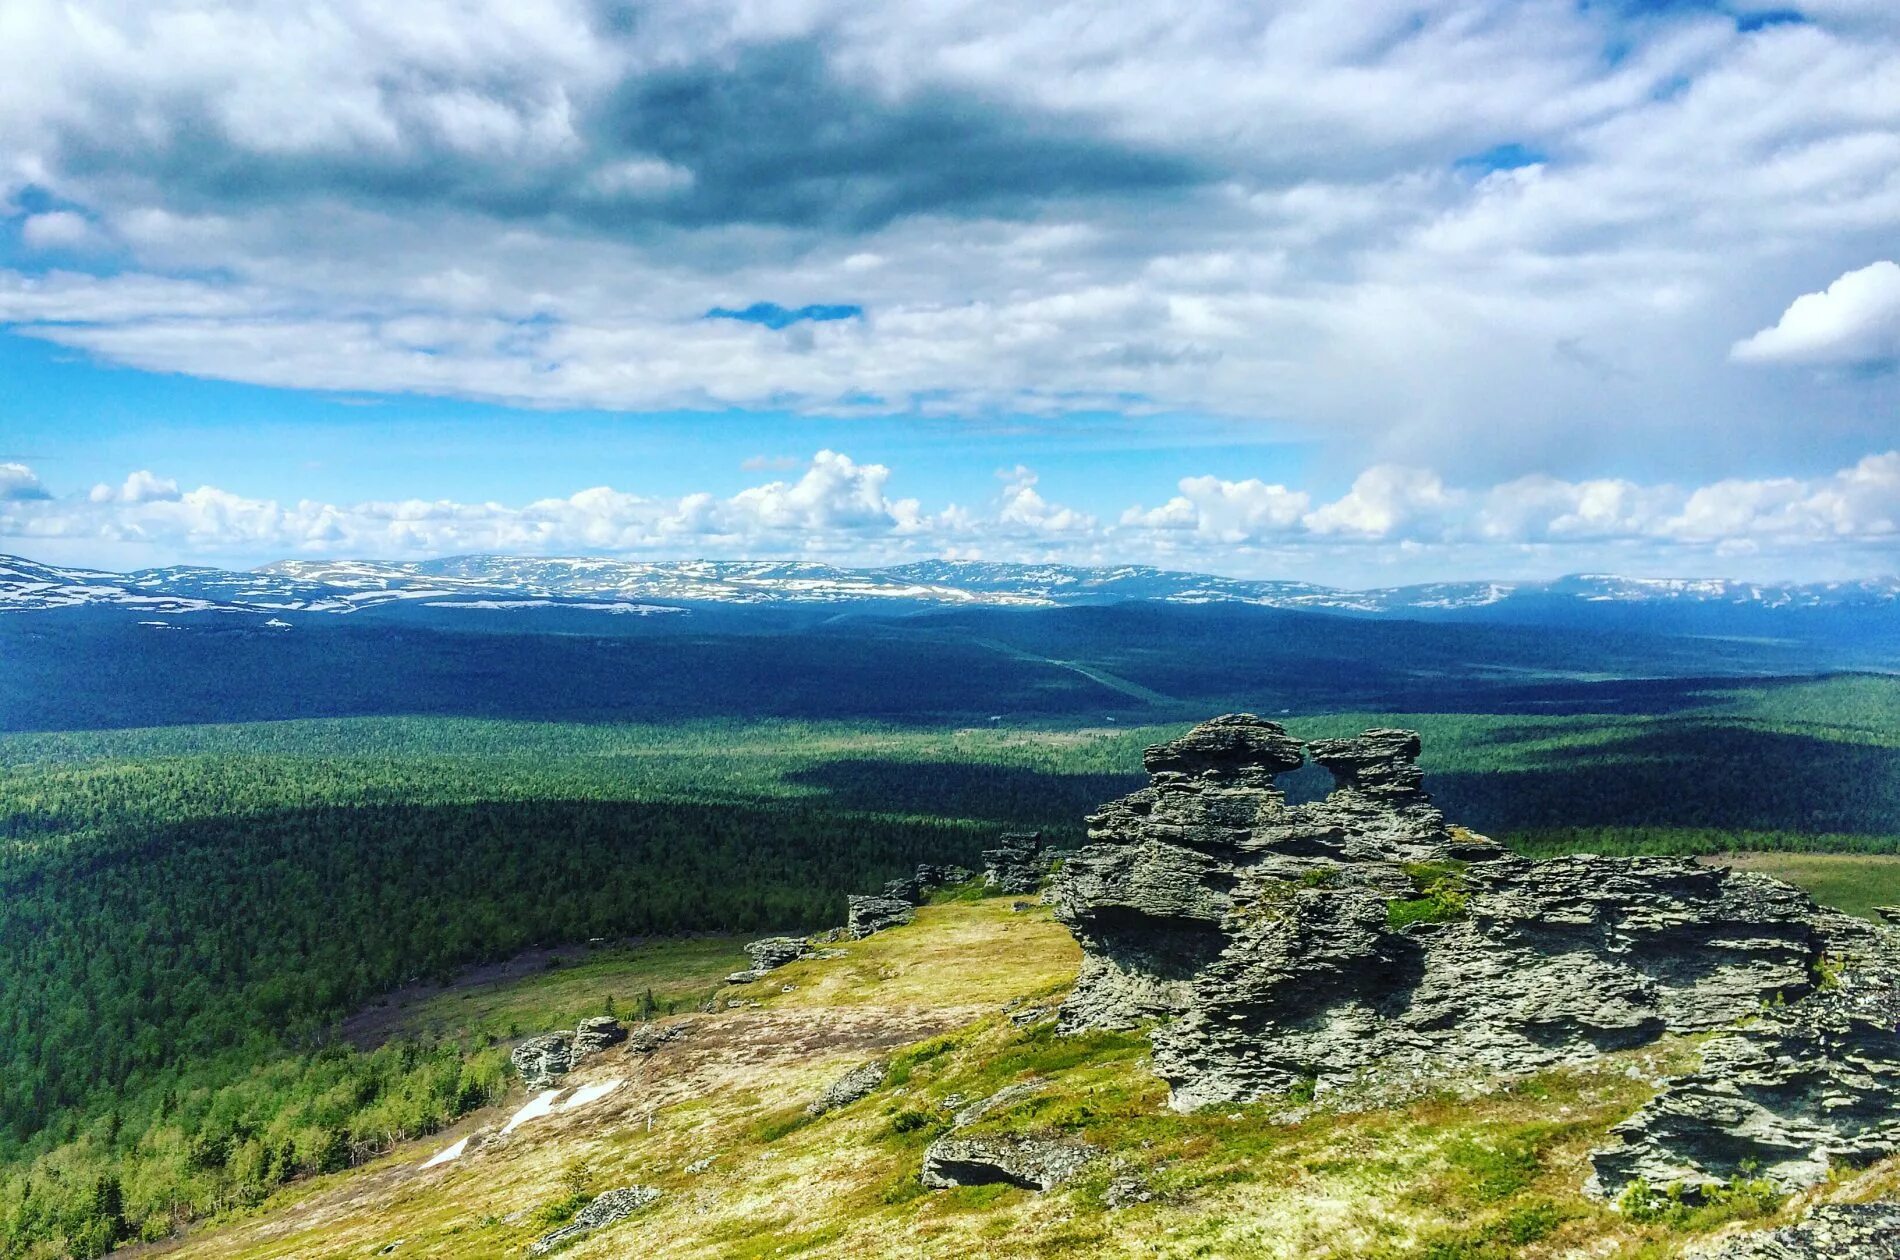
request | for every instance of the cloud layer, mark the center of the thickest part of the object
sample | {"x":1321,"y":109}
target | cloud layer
{"x":1492,"y":235}
{"x":1392,"y":519}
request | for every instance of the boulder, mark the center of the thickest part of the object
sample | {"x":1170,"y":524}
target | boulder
{"x":611,"y":1206}
{"x":1362,"y":941}
{"x":858,"y":1083}
{"x":541,"y":1059}
{"x":1833,"y":1231}
{"x":1016,"y":864}
{"x":595,"y":1034}
{"x":775,"y":951}
{"x":1033,"y":1163}
{"x":865,"y":915}
{"x":648,"y":1038}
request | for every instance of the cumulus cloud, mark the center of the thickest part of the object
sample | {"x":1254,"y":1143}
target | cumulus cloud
{"x":846,"y":510}
{"x":18,"y":483}
{"x":1225,"y":511}
{"x":1283,"y":213}
{"x":1853,"y":322}
{"x":1383,"y":501}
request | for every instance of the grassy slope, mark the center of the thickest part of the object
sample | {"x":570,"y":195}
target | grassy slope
{"x":1444,"y":1178}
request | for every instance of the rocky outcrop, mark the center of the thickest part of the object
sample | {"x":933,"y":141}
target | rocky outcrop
{"x":607,"y":1208}
{"x":866,"y":915}
{"x":1833,"y":1231}
{"x":1362,"y":943}
{"x":859,"y":1082}
{"x":595,"y":1034}
{"x":1016,"y":864}
{"x":1793,"y":1090}
{"x":1033,"y":1163}
{"x":769,"y":954}
{"x":539,"y":1060}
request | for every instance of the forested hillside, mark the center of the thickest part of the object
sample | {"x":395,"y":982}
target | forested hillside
{"x":186,"y":912}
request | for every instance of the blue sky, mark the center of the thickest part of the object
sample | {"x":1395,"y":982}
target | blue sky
{"x":1468,"y":288}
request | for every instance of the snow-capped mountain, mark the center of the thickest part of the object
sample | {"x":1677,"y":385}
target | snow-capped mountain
{"x":524,"y":583}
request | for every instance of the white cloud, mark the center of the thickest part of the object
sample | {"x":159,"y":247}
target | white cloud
{"x":1385,"y":500}
{"x":18,"y":483}
{"x":57,"y":229}
{"x":1854,"y":321}
{"x":140,"y":487}
{"x":1391,"y":516}
{"x":1024,"y":507}
{"x":1252,"y":211}
{"x":1226,"y":511}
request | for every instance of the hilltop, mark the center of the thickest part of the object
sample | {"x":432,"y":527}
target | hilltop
{"x":972,"y":1074}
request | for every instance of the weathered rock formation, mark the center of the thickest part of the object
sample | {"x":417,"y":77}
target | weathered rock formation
{"x":1033,"y":1163}
{"x":607,"y":1208}
{"x":1362,"y":941}
{"x":1792,"y":1090}
{"x":1016,"y":864}
{"x":596,"y":1033}
{"x":1833,"y":1231}
{"x":865,"y":915}
{"x":541,"y":1060}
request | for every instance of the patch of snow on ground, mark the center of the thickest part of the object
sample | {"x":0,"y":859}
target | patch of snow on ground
{"x":447,"y":1153}
{"x":543,"y":1104}
{"x":590,"y":1093}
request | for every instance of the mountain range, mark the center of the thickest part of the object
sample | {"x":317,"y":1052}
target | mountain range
{"x":519,"y":583}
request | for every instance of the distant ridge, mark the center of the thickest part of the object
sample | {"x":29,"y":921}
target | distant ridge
{"x":608,"y":585}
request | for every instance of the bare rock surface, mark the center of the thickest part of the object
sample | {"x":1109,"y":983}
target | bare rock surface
{"x":1833,"y":1231}
{"x":1360,"y":942}
{"x":1033,"y":1163}
{"x":607,"y":1208}
{"x":1016,"y":864}
{"x":596,"y":1033}
{"x":866,"y":915}
{"x":1792,"y":1091}
{"x":540,"y":1060}
{"x":858,"y":1083}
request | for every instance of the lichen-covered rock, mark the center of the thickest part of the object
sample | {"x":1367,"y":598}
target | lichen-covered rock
{"x":1833,"y":1231}
{"x":649,"y":1037}
{"x":539,"y":1060}
{"x":607,"y":1208}
{"x":858,"y":1083}
{"x":1361,"y":938}
{"x":865,"y":915}
{"x":1033,"y":1163}
{"x":595,"y":1034}
{"x":772,"y":952}
{"x":1016,"y":864}
{"x":1792,"y":1091}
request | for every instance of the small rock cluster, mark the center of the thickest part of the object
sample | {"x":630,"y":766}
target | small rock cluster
{"x":864,"y":916}
{"x":541,"y":1060}
{"x":1360,"y":945}
{"x":611,"y":1206}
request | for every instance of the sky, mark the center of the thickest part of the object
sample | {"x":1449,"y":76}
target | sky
{"x":1361,"y":294}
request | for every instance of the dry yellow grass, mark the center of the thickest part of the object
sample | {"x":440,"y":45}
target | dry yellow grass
{"x":1449,"y":1178}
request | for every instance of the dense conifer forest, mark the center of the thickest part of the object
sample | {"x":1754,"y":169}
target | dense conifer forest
{"x":187,"y":912}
